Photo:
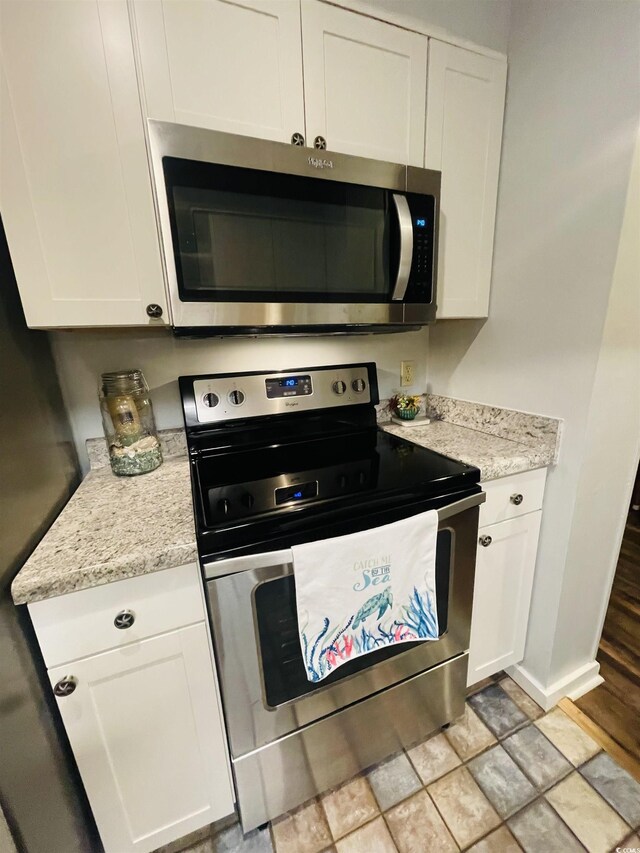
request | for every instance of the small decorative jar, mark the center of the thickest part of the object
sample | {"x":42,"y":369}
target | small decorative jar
{"x":129,"y":424}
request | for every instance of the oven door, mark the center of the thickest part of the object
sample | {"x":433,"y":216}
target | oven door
{"x":264,"y":687}
{"x":256,"y":235}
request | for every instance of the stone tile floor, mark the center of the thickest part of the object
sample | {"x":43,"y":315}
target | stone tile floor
{"x":505,"y":777}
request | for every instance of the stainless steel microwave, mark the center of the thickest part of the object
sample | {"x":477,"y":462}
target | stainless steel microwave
{"x":263,"y":237}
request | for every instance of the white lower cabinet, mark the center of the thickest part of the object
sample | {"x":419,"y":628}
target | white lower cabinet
{"x":505,"y":567}
{"x":145,"y":726}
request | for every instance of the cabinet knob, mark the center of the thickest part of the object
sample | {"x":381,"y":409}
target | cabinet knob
{"x":485,"y":541}
{"x":320,"y":143}
{"x":65,"y":686}
{"x":154,"y":310}
{"x":516,"y":499}
{"x":124,"y":619}
{"x":297,"y":138}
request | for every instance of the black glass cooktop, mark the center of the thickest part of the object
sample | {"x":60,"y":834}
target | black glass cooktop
{"x":295,"y":488}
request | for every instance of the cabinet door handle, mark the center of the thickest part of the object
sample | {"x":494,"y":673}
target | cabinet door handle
{"x":124,"y":619}
{"x":65,"y":686}
{"x":154,"y":310}
{"x":485,"y":541}
{"x":297,"y":138}
{"x":516,"y":499}
{"x":320,"y":143}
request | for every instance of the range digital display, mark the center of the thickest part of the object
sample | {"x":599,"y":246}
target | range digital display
{"x":288,"y":386}
{"x":301,"y":492}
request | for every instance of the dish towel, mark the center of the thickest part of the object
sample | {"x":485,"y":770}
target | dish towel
{"x":359,"y":593}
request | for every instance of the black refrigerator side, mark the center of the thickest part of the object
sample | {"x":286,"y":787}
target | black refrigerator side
{"x":42,"y":803}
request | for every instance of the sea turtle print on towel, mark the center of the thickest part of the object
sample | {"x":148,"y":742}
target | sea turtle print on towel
{"x":353,"y":598}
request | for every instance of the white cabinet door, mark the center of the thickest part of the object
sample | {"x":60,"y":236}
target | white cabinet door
{"x":502,"y":595}
{"x":74,"y":179}
{"x":364,"y":84}
{"x":465,"y":108}
{"x":231,"y":65}
{"x":145,"y":728}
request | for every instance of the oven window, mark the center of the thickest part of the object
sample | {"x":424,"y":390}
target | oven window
{"x":282,"y":665}
{"x":246,"y":235}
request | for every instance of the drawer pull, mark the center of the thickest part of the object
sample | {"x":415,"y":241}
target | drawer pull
{"x":485,"y":541}
{"x":516,"y":499}
{"x":66,"y":686}
{"x":124,"y":619}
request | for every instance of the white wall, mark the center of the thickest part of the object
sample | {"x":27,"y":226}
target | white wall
{"x":81,"y":357}
{"x":612,"y":447}
{"x":573,"y":106}
{"x":483,"y":22}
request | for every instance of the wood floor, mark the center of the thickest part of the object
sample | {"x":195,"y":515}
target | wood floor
{"x":615,"y":705}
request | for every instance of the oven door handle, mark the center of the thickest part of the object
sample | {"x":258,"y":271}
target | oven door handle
{"x":406,"y":246}
{"x":268,"y":559}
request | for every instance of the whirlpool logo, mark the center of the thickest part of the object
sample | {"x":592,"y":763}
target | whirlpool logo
{"x":320,"y":163}
{"x":291,"y":404}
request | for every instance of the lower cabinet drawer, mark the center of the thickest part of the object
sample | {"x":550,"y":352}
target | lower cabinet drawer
{"x":104,"y":617}
{"x":512,"y":496}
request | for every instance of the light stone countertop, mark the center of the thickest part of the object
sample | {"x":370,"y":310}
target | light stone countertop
{"x":113,"y":528}
{"x":494,"y":456}
{"x":119,"y":527}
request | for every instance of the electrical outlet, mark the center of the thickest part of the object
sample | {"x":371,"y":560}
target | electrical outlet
{"x":407,"y":369}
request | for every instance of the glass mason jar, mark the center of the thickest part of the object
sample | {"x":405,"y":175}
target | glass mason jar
{"x":129,"y":424}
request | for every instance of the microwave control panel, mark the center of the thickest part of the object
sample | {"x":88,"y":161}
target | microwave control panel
{"x":423,"y":218}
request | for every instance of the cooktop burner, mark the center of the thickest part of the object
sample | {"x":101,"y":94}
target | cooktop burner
{"x":277,"y":457}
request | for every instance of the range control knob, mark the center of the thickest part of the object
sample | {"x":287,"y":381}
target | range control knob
{"x":236,"y":397}
{"x":223,"y":506}
{"x":211,"y":400}
{"x":247,"y":500}
{"x":339,"y":387}
{"x":358,"y":385}
{"x":342,"y":481}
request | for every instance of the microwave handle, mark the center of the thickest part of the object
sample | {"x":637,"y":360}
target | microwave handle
{"x":406,"y":246}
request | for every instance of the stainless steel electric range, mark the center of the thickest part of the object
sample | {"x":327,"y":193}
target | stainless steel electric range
{"x":284,"y":457}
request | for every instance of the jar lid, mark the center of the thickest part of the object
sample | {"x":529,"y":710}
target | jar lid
{"x":123,"y":382}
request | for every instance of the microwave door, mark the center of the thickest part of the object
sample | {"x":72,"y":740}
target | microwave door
{"x":406,"y":247}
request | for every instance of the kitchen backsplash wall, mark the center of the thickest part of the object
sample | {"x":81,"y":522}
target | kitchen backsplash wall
{"x":81,"y":357}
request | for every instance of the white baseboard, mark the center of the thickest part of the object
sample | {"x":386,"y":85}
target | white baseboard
{"x":574,"y":685}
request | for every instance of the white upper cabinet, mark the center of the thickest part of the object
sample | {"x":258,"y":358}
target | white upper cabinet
{"x":364,"y":84}
{"x":465,"y":107}
{"x":231,"y":65}
{"x":74,"y":180}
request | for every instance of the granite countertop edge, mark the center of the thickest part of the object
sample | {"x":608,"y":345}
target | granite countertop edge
{"x":29,"y":590}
